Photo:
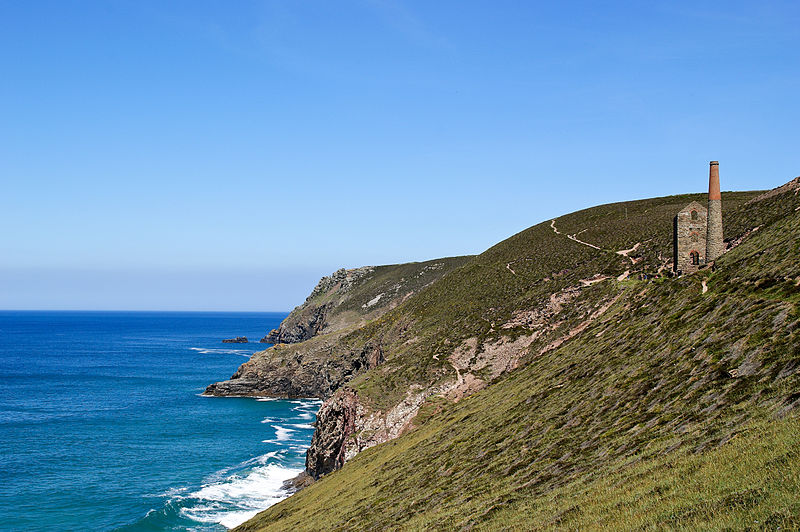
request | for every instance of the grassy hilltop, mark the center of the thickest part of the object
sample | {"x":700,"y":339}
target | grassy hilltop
{"x":548,"y":383}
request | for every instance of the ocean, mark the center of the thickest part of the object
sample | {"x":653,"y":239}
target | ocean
{"x":102,"y":426}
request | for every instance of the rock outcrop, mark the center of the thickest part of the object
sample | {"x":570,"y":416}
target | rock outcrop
{"x":312,"y":355}
{"x":237,"y":340}
{"x":308,"y":319}
{"x":335,"y":424}
{"x":310,"y":369}
{"x":355,"y":296}
{"x":347,"y":426}
{"x":299,"y":327}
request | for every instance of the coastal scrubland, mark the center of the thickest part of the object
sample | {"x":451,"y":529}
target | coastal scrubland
{"x":563,"y":379}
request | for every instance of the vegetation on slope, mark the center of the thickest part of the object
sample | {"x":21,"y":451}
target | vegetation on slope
{"x":351,"y":297}
{"x":668,"y":377}
{"x":750,"y":483}
{"x":522,"y":272}
{"x":325,"y":357}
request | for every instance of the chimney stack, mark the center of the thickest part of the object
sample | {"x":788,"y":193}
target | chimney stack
{"x":715,"y":245}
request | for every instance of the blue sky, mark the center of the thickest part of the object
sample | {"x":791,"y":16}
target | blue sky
{"x":205,"y":155}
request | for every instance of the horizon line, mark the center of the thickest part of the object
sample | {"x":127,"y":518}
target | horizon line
{"x":149,"y":310}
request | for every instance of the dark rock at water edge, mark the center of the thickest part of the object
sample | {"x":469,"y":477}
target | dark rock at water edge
{"x":289,"y":371}
{"x":293,"y":485}
{"x":237,"y":340}
{"x":302,"y":327}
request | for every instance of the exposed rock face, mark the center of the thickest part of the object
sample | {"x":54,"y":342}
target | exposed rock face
{"x":312,"y":356}
{"x":341,"y":280}
{"x":345,"y":427}
{"x":237,"y":340}
{"x":308,"y":319}
{"x":356,"y":296}
{"x":303,"y":327}
{"x":305,"y":370}
{"x":335,"y":424}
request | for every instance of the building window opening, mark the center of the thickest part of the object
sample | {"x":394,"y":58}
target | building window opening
{"x":695,"y":258}
{"x":694,"y":215}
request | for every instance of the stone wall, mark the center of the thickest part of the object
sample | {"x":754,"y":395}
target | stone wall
{"x":715,"y":245}
{"x":690,"y":236}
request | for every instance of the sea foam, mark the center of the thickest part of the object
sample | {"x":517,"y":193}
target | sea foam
{"x":221,"y":351}
{"x":235,"y":498}
{"x":282,"y":433}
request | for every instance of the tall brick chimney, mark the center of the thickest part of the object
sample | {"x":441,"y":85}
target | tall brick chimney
{"x":714,"y":243}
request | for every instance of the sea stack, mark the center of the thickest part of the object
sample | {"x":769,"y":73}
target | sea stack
{"x":714,"y":243}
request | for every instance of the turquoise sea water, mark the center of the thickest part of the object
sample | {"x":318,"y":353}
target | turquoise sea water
{"x":102,"y":426}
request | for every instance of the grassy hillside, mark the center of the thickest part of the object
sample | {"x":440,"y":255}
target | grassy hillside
{"x":522,"y":272}
{"x":748,"y":484}
{"x":638,"y":402}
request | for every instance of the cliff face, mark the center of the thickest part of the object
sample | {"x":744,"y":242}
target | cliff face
{"x":348,"y":424}
{"x":334,"y":426}
{"x":309,"y":319}
{"x":315,"y":368}
{"x":299,"y":326}
{"x":313,"y":356}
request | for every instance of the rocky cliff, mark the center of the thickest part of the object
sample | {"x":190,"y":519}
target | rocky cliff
{"x":315,"y":368}
{"x":313,"y":355}
{"x":309,"y":319}
{"x":351,"y":297}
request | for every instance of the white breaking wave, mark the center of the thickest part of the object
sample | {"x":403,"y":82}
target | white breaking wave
{"x":282,"y":433}
{"x":304,"y":404}
{"x":302,"y":425}
{"x":222,"y":351}
{"x":236,"y":498}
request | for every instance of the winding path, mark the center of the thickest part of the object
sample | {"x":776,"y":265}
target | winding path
{"x":573,"y":237}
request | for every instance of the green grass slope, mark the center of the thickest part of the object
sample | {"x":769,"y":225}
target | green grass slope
{"x":522,"y":272}
{"x":673,"y":408}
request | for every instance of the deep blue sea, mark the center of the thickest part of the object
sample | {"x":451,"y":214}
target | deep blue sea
{"x":102,"y":426}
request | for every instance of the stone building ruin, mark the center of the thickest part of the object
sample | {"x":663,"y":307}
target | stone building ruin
{"x":697,"y":231}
